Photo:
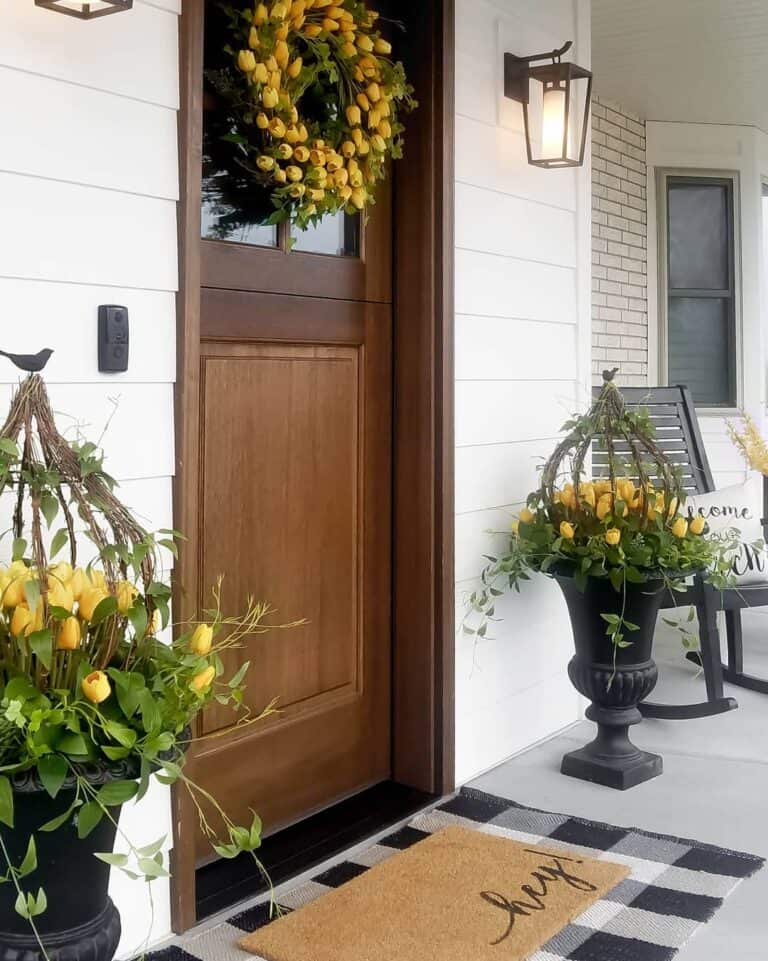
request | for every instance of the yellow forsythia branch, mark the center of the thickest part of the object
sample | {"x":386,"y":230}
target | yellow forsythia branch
{"x":749,"y":442}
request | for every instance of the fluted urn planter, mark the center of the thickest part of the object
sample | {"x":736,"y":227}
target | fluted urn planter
{"x":81,"y":923}
{"x":615,"y":690}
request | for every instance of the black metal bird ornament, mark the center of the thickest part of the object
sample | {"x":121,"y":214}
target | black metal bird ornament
{"x":32,"y":363}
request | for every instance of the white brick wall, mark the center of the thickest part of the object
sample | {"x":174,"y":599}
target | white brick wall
{"x":619,"y":244}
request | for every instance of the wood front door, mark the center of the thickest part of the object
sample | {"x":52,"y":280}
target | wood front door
{"x":294,"y":492}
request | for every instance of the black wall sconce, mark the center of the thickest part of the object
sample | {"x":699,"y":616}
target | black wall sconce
{"x":557,"y":95}
{"x":86,"y":11}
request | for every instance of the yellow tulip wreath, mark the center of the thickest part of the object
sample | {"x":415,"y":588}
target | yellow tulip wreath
{"x":314,"y":99}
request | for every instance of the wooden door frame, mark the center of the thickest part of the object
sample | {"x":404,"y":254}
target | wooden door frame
{"x":423,"y":477}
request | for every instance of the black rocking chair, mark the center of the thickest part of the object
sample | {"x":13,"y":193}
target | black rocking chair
{"x":677,"y":432}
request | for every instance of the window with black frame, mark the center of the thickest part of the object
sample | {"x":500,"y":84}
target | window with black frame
{"x":701,"y":288}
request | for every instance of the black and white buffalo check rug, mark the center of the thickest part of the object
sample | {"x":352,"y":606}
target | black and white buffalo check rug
{"x":674,"y":885}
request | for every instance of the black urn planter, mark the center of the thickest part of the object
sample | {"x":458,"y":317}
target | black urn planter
{"x":81,"y":923}
{"x":615,"y":692}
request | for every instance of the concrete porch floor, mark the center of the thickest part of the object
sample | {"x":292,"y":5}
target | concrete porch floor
{"x":714,"y":787}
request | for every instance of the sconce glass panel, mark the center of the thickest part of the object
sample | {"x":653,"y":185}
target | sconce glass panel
{"x":557,"y":114}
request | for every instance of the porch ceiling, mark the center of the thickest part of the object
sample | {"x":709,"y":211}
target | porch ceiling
{"x":702,"y":61}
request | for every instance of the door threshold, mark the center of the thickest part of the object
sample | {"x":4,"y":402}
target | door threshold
{"x":223,"y":884}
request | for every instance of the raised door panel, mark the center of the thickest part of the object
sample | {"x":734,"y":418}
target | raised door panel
{"x":282,"y":470}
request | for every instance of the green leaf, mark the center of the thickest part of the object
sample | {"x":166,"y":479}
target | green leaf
{"x":104,"y":609}
{"x":115,"y":860}
{"x":152,"y":849}
{"x":41,"y":642}
{"x":53,"y":769}
{"x":19,"y":549}
{"x":38,"y":905}
{"x":238,"y":678}
{"x":49,"y":505}
{"x":6,"y":801}
{"x":21,"y":907}
{"x":121,"y":733}
{"x":117,"y":792}
{"x":88,"y":818}
{"x":151,"y":718}
{"x":137,"y":615}
{"x":60,"y":538}
{"x":7,"y":446}
{"x":146,"y":771}
{"x":74,"y":745}
{"x":32,"y":593}
{"x":55,"y":823}
{"x":29,"y":864}
{"x":151,"y":868}
{"x":115,"y":753}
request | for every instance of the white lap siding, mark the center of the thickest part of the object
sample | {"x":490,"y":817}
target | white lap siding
{"x":522,"y":366}
{"x":88,"y":192}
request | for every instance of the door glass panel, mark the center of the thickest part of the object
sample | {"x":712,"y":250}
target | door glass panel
{"x":337,"y":234}
{"x":698,"y":236}
{"x":234,"y":206}
{"x":700,"y":350}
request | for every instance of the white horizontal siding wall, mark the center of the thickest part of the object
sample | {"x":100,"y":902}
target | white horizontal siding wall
{"x":522,"y":366}
{"x":729,"y":149}
{"x":88,"y":191}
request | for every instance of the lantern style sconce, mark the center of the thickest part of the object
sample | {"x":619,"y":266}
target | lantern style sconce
{"x":85,"y":10}
{"x":556,"y":98}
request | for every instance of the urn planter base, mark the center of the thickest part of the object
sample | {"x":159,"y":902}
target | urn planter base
{"x":95,"y":941}
{"x":612,"y":759}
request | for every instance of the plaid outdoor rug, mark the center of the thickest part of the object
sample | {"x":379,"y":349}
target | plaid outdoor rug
{"x":675,"y":885}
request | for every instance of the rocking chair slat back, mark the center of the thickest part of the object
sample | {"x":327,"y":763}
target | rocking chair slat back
{"x":673,"y":415}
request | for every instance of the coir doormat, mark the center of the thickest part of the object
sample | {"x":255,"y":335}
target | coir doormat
{"x":459,"y":894}
{"x":673,"y":887}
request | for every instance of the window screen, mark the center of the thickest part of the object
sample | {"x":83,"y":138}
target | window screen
{"x":701,"y":314}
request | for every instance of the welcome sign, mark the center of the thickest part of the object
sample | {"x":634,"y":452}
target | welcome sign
{"x":741,"y":508}
{"x":458,"y":895}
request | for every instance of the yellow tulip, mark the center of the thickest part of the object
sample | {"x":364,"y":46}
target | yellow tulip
{"x":356,"y":178}
{"x":526,"y":516}
{"x":604,"y":506}
{"x":285,"y":151}
{"x":297,"y":191}
{"x":567,"y":497}
{"x":22,"y":621}
{"x":312,"y":30}
{"x":292,"y":134}
{"x":349,"y":49}
{"x":277,"y":128}
{"x":697,"y":525}
{"x":246,"y":61}
{"x":354,"y":116}
{"x":262,"y":121}
{"x":334,"y":163}
{"x":126,"y":595}
{"x":96,"y":687}
{"x":278,"y":175}
{"x":69,"y":636}
{"x":365,"y":43}
{"x":202,"y":681}
{"x":348,"y":148}
{"x":341,"y":177}
{"x":359,"y":198}
{"x":515,"y":527}
{"x":253,"y":39}
{"x":279,"y":11}
{"x":62,"y":572}
{"x":587,"y":494}
{"x":373,"y":90}
{"x":269,"y":97}
{"x":260,"y":14}
{"x":97,"y":579}
{"x":78,"y":583}
{"x":265,"y":163}
{"x":680,"y":527}
{"x":295,"y":68}
{"x":612,"y":536}
{"x":201,"y":640}
{"x":60,"y":595}
{"x":301,"y":154}
{"x":294,"y":173}
{"x":567,"y":530}
{"x":363,"y":102}
{"x":382,"y":46}
{"x":345,"y":193}
{"x":378,"y":143}
{"x":260,"y":74}
{"x":602,"y":487}
{"x":89,"y":601}
{"x":13,"y":595}
{"x":282,"y":54}
{"x":385,"y":129}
